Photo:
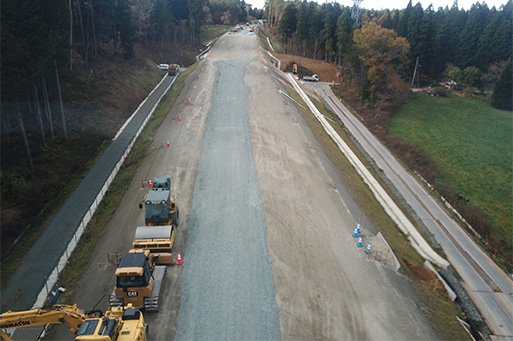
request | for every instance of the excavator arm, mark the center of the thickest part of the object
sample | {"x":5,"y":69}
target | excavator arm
{"x":71,"y":316}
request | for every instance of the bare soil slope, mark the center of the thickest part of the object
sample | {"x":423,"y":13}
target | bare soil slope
{"x":326,"y":71}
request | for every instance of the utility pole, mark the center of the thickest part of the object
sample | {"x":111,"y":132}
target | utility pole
{"x":416,"y":73}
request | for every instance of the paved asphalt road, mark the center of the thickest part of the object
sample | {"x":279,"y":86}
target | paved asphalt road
{"x":489,"y":287}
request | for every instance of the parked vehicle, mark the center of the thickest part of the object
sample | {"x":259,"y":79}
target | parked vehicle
{"x":172,"y":69}
{"x":312,"y":78}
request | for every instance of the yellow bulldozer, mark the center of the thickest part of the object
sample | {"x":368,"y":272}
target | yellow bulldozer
{"x":138,"y":281}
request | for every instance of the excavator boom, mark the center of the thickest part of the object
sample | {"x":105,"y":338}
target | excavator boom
{"x":71,"y":316}
{"x":118,"y":323}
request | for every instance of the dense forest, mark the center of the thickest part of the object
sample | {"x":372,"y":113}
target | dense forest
{"x":55,"y":52}
{"x":41,"y":39}
{"x":39,"y":36}
{"x":62,"y":61}
{"x":464,"y":46}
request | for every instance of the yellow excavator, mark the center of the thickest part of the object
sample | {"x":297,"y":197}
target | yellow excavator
{"x":118,"y":323}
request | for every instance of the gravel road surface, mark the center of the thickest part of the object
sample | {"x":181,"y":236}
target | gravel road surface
{"x":227,"y":287}
{"x":266,"y":224}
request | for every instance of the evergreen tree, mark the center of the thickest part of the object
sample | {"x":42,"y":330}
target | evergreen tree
{"x":126,"y":29}
{"x":395,"y":20}
{"x":196,"y":17}
{"x":331,"y":13}
{"x":415,"y":36}
{"x":288,"y":23}
{"x":426,"y":47}
{"x":302,"y":28}
{"x":316,"y":26}
{"x":345,"y":35}
{"x":162,"y":19}
{"x":469,"y":37}
{"x":402,"y":26}
{"x":28,"y":45}
{"x":450,"y":23}
{"x":485,"y":46}
{"x":502,"y":93}
{"x":502,"y":40}
{"x":387,"y":20}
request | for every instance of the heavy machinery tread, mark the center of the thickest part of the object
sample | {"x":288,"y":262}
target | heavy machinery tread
{"x":151,"y":303}
{"x":115,"y":301}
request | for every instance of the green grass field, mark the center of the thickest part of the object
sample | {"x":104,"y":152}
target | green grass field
{"x":472,"y":143}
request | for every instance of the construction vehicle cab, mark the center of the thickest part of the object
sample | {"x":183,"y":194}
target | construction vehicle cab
{"x":163,"y":182}
{"x":117,"y":324}
{"x":161,"y":208}
{"x":138,"y":281}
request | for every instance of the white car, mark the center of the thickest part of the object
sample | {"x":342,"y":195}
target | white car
{"x":163,"y":66}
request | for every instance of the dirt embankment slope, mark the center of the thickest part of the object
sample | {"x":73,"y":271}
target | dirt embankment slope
{"x":326,"y":71}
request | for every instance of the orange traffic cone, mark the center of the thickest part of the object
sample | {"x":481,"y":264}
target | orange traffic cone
{"x":150,"y":184}
{"x":179,"y":118}
{"x":189,"y":100}
{"x":179,"y":259}
{"x":167,"y":142}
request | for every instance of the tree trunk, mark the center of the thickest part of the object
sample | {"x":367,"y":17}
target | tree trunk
{"x":84,"y":47}
{"x":115,"y":35}
{"x":39,"y":119}
{"x":25,"y":142}
{"x":94,"y":29}
{"x":48,"y":110}
{"x":61,"y":106}
{"x":70,"y":35}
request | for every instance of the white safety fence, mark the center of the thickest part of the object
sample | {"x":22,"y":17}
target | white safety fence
{"x":54,"y":275}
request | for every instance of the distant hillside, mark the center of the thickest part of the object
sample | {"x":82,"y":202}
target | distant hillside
{"x":97,"y":100}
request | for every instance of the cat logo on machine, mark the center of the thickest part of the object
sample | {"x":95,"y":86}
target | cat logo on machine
{"x":132,"y":293}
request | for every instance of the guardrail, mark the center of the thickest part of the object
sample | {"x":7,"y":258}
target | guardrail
{"x":53,"y":276}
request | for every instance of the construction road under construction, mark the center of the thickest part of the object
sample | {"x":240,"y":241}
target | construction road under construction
{"x":266,"y":224}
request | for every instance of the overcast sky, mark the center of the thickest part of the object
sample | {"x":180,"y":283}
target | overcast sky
{"x":400,"y":4}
